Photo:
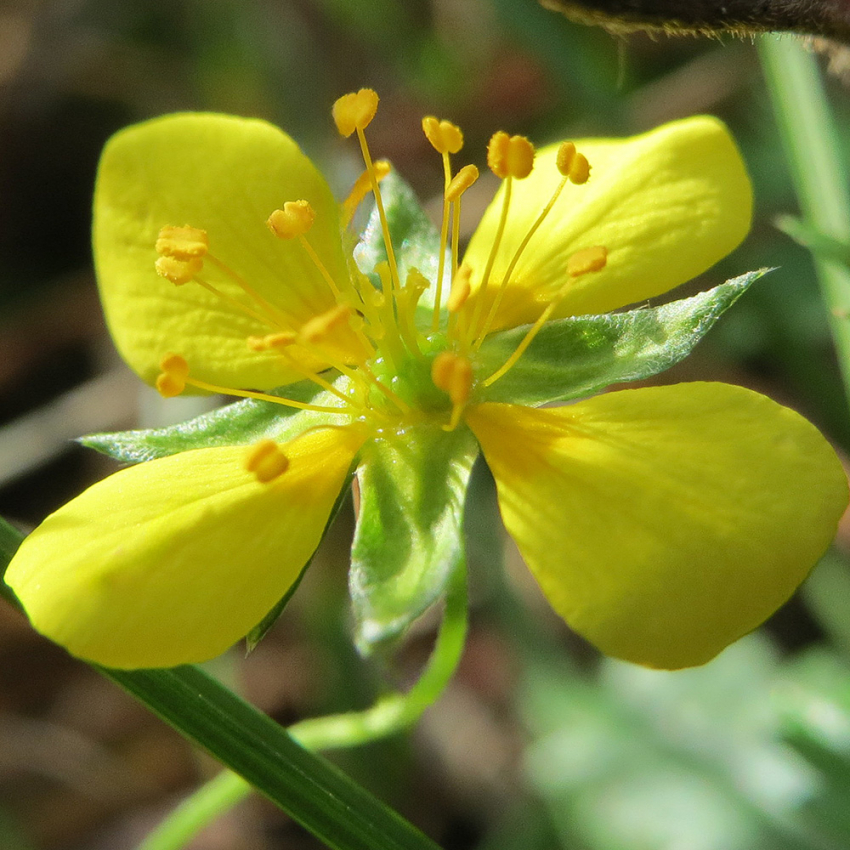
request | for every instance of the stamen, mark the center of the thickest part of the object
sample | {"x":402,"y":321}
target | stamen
{"x":266,"y":461}
{"x":362,"y":186}
{"x":178,"y":271}
{"x":444,"y":136}
{"x":460,"y":289}
{"x":568,"y":162}
{"x":579,"y":170}
{"x":273,"y":314}
{"x":355,"y":111}
{"x":172,"y":380}
{"x":184,"y":243}
{"x":317,"y":330}
{"x":295,"y":219}
{"x":452,"y":373}
{"x":586,"y":260}
{"x":461,"y":182}
{"x":272,"y":342}
{"x":269,"y":320}
{"x":510,"y":156}
{"x":385,"y":302}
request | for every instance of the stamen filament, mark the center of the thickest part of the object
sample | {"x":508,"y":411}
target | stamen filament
{"x":362,"y":186}
{"x":444,"y":235}
{"x":277,"y":316}
{"x":402,"y":405}
{"x":497,"y":301}
{"x":455,"y":236}
{"x":392,"y":337}
{"x":350,"y":296}
{"x":379,"y":203}
{"x":528,"y":338}
{"x":271,"y":322}
{"x":310,"y":375}
{"x":584,"y":261}
{"x":485,"y":279}
{"x":286,"y":402}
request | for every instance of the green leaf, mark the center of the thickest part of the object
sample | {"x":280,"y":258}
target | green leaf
{"x":242,"y":423}
{"x":306,"y":786}
{"x":409,"y":538}
{"x":415,"y":239}
{"x":582,"y":355}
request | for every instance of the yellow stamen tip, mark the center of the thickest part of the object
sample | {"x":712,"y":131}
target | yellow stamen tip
{"x":362,"y":186}
{"x":295,"y":219}
{"x":172,"y":379}
{"x":461,"y":182}
{"x":272,"y":341}
{"x":266,"y":461}
{"x":579,"y":169}
{"x":355,"y":111}
{"x":510,"y":156}
{"x":565,"y":157}
{"x":587,"y":260}
{"x":452,"y":373}
{"x":183,"y":243}
{"x":460,"y":289}
{"x":444,"y":136}
{"x":178,"y":271}
{"x":319,"y":328}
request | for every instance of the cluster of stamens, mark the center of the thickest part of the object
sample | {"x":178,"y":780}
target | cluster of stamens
{"x":373,"y":328}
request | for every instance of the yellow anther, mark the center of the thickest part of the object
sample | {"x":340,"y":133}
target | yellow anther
{"x":354,"y":111}
{"x":460,"y":289}
{"x":444,"y":136}
{"x":565,"y":157}
{"x":452,"y":373}
{"x":183,"y":243}
{"x":172,"y":379}
{"x":266,"y":461}
{"x":272,"y":341}
{"x":320,"y":327}
{"x":362,"y":186}
{"x":295,"y":219}
{"x":510,"y":156}
{"x":178,"y":271}
{"x":461,"y":182}
{"x":587,"y":260}
{"x":579,"y":169}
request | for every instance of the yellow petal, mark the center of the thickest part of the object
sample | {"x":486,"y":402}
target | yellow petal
{"x":667,"y":205}
{"x":172,"y":561}
{"x":226,"y":176}
{"x":664,"y":523}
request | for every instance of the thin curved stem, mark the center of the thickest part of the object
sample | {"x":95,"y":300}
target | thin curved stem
{"x":810,"y":138}
{"x":390,"y":714}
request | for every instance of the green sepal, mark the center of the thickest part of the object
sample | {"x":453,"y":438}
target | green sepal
{"x":242,"y":423}
{"x":575,"y":357}
{"x":409,"y":539}
{"x":415,"y":239}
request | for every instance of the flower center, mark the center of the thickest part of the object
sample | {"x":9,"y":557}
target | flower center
{"x":406,"y":364}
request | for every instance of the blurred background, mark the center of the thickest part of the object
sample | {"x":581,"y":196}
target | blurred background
{"x":538,"y":743}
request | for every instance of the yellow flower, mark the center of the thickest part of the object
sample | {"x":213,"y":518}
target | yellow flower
{"x":662,"y":523}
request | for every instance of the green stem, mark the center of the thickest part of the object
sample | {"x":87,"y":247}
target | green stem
{"x":390,"y":714}
{"x":338,"y":811}
{"x":813,"y":150}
